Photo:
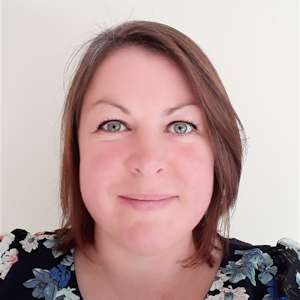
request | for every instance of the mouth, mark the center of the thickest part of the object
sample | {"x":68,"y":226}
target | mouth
{"x":147,"y":202}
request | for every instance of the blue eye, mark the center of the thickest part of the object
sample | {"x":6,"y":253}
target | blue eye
{"x":182,"y":127}
{"x":112,"y":126}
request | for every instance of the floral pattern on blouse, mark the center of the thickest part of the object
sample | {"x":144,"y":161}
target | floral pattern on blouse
{"x":31,"y":268}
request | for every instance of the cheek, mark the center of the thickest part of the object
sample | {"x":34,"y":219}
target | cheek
{"x":196,"y":165}
{"x":99,"y":169}
{"x":200,"y":175}
{"x":197,"y":178}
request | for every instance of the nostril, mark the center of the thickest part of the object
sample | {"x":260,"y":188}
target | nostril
{"x":148,"y":171}
{"x":147,"y":162}
{"x":160,"y":170}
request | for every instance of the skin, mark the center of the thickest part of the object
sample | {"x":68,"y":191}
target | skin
{"x":137,"y":250}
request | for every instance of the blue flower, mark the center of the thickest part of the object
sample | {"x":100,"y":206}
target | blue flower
{"x":272,"y":290}
{"x":261,"y":261}
{"x":61,"y":275}
{"x":267,"y":275}
{"x":245,"y":267}
{"x":68,"y":260}
{"x":256,"y":257}
{"x":51,"y":244}
{"x":44,"y":286}
{"x":239,"y":271}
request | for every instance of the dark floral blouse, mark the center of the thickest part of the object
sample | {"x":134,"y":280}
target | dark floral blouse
{"x":31,"y":268}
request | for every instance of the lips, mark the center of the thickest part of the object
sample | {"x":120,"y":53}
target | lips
{"x":148,"y":202}
{"x":153,"y":197}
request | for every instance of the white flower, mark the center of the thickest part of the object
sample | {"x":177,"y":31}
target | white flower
{"x":298,"y":279}
{"x":8,"y":259}
{"x":45,"y":236}
{"x":68,"y":293}
{"x":219,"y":281}
{"x":230,"y":293}
{"x":30,"y":243}
{"x":5,"y":241}
{"x":290,"y":244}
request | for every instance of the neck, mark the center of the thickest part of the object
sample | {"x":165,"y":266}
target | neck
{"x":123,"y":270}
{"x":118,"y":274}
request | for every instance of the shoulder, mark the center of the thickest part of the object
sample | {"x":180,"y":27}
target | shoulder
{"x":29,"y":260}
{"x":19,"y":246}
{"x":262,"y":271}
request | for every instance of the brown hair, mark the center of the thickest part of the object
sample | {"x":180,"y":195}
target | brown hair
{"x":223,"y":125}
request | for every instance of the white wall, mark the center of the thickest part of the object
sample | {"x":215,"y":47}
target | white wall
{"x":253,"y":44}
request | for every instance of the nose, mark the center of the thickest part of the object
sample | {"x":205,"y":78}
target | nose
{"x":147,"y":158}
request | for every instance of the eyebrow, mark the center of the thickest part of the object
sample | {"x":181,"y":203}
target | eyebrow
{"x":171,"y":110}
{"x":166,"y":112}
{"x":107,"y":102}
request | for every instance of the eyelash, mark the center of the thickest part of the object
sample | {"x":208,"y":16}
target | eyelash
{"x":108,"y":121}
{"x":193,"y":124}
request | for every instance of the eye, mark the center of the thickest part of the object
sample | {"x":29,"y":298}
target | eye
{"x":112,"y":126}
{"x":182,"y":127}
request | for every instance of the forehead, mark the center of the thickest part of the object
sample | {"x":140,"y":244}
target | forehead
{"x":134,"y":58}
{"x":140,"y":71}
{"x":137,"y":52}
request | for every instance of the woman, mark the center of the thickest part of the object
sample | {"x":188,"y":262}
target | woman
{"x":151,"y":165}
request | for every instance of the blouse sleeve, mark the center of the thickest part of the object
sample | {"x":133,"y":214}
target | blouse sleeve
{"x":259,"y":272}
{"x":286,"y":256}
{"x":25,"y":265}
{"x":9,"y":251}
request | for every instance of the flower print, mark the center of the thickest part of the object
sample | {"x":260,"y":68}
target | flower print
{"x":30,"y":243}
{"x":267,"y":274}
{"x":268,"y":297}
{"x":39,"y":233}
{"x":272,"y":291}
{"x":264,"y":263}
{"x":8,"y":259}
{"x":245,"y":267}
{"x":259,"y":259}
{"x":5,"y":242}
{"x":10,"y":256}
{"x":51,"y":244}
{"x":230,"y":294}
{"x":43,"y":284}
{"x":41,"y":236}
{"x":68,"y":260}
{"x":298,"y":279}
{"x":219,"y":281}
{"x":290,"y":244}
{"x":61,"y":275}
{"x":240,"y":270}
{"x":234,"y":294}
{"x":66,"y":294}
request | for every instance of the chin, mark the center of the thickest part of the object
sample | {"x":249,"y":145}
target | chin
{"x":147,"y":240}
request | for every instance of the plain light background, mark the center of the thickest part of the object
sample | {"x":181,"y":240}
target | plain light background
{"x":254,"y":45}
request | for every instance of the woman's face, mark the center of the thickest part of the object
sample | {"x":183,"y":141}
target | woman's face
{"x":146,"y":163}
